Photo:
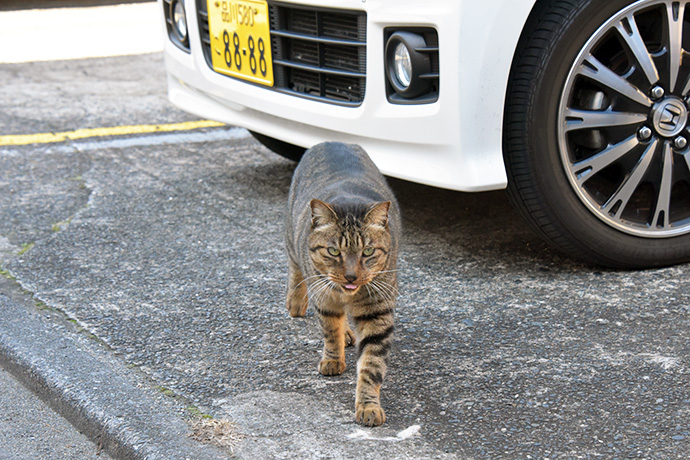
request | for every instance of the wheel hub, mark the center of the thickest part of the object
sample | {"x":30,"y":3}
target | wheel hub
{"x":669,"y":116}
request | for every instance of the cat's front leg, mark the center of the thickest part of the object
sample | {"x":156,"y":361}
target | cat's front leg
{"x":334,"y":325}
{"x":374,"y":340}
{"x":296,"y":299}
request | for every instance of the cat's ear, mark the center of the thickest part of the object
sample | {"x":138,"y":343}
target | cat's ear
{"x":378,"y":214}
{"x":321,"y":214}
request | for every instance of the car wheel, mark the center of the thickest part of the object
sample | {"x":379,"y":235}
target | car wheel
{"x":289,"y":151}
{"x":596,"y":138}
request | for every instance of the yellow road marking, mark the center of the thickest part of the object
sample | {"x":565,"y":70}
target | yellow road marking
{"x":46,"y":138}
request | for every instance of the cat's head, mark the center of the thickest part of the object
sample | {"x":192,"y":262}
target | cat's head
{"x":350,"y":244}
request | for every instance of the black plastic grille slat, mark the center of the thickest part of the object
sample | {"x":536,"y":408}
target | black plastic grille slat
{"x":341,"y":57}
{"x":342,"y":88}
{"x":302,"y":21}
{"x":304,"y":52}
{"x":314,"y":38}
{"x":305,"y":82}
{"x":337,"y":26}
{"x":204,"y":31}
{"x":317,"y":53}
{"x":431,"y":38}
{"x":316,"y":69}
{"x":336,"y":41}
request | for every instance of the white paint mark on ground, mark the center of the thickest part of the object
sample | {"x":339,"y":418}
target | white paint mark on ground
{"x":361,"y":435}
{"x":160,"y":139}
{"x":666,"y":362}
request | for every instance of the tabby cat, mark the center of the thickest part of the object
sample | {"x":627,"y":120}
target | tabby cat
{"x":342,"y":233}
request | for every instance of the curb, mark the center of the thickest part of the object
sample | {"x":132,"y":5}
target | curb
{"x":98,"y":401}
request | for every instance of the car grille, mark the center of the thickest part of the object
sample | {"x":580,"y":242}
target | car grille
{"x":318,"y":54}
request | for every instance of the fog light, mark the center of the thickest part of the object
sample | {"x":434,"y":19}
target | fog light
{"x":179,"y":20}
{"x":408,"y":64}
{"x":403,"y":65}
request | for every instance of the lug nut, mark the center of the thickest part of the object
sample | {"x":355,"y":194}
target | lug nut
{"x":657,"y":92}
{"x":680,"y":142}
{"x":644,"y":133}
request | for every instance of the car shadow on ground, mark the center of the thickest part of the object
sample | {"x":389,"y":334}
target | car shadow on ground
{"x":478,"y":225}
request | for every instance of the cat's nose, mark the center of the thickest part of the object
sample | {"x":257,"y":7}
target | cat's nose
{"x":350,"y":277}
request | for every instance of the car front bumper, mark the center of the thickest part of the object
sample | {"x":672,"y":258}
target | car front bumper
{"x":453,"y":143}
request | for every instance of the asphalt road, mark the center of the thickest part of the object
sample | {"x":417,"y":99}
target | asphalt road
{"x":167,"y":249}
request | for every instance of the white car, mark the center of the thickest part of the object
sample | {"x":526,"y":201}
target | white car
{"x":578,"y":107}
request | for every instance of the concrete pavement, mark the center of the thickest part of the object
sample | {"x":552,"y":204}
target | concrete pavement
{"x":70,"y":375}
{"x":29,"y":428}
{"x":83,"y":383}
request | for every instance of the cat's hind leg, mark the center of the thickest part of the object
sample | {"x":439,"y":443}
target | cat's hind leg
{"x":296,"y":299}
{"x":350,"y":340}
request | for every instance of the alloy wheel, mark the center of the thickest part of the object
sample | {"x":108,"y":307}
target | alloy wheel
{"x":623,"y":120}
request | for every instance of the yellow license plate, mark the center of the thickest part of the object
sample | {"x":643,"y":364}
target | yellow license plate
{"x":241,"y":39}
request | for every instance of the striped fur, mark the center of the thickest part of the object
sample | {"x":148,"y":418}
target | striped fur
{"x":342,"y":237}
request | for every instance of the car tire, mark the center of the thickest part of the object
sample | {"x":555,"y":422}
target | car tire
{"x":596,"y":155}
{"x":285,"y":150}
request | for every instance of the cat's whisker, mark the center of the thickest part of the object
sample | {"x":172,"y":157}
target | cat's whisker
{"x":309,"y":287}
{"x":377,"y":290}
{"x":315,"y":296}
{"x":384,"y":296}
{"x":315,"y":287}
{"x":387,"y":271}
{"x":394,"y":291}
{"x":368,"y":289}
{"x":390,"y":286}
{"x":318,"y":275}
{"x":386,"y":290}
{"x":319,"y":288}
{"x":324,"y":292}
{"x":322,"y":280}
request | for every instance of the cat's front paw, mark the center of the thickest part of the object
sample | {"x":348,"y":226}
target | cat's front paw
{"x":332,"y":367}
{"x":296,"y":308}
{"x":370,"y":415}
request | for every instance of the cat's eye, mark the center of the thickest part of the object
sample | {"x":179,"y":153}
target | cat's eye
{"x":335,"y":252}
{"x":368,"y":251}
